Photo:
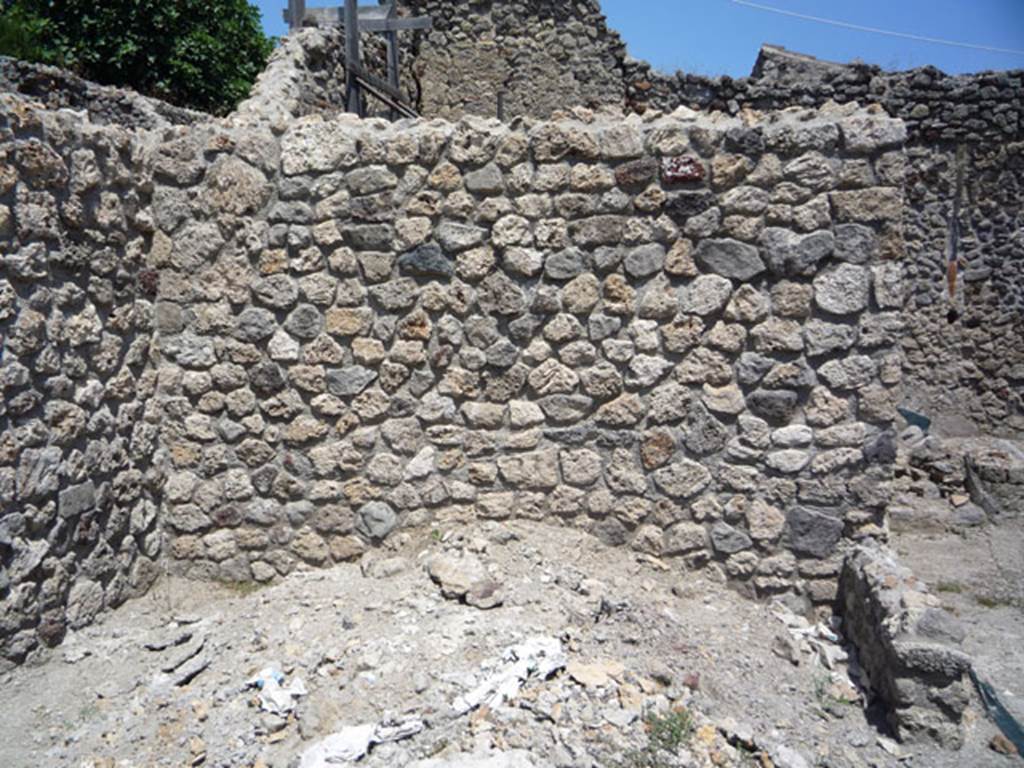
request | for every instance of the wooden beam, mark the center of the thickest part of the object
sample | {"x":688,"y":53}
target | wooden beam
{"x":395,"y":25}
{"x":295,"y":14}
{"x":391,"y":44}
{"x":353,"y":99}
{"x":335,"y":17}
{"x":391,"y":40}
{"x":381,"y":85}
{"x":398,"y":105}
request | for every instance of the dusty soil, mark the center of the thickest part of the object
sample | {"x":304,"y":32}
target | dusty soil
{"x":380,"y":643}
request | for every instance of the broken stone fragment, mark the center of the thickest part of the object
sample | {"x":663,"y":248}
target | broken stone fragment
{"x":595,"y":674}
{"x":464,"y":577}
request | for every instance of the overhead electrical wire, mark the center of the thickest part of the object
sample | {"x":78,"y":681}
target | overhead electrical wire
{"x":875,"y":30}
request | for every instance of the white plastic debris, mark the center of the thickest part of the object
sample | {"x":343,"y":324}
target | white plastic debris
{"x":353,"y":742}
{"x":274,"y":696}
{"x":538,"y":657}
{"x":516,"y":758}
{"x":346,"y":746}
{"x":824,"y":643}
{"x":820,"y":639}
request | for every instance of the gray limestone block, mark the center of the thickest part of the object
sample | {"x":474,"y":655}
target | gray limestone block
{"x":774,"y":405}
{"x":728,"y":540}
{"x":349,"y":381}
{"x":455,"y":237}
{"x":565,"y":264}
{"x":813,"y":532}
{"x":645,"y":260}
{"x":487,"y":180}
{"x":428,"y":260}
{"x":278,"y":291}
{"x":304,"y":322}
{"x":254,"y":324}
{"x":843,"y":290}
{"x":789,"y":253}
{"x":729,"y":258}
{"x":855,"y":243}
{"x":266,"y":379}
{"x":76,"y":499}
{"x":376,"y":520}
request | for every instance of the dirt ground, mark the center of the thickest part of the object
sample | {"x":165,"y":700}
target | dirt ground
{"x":651,"y":651}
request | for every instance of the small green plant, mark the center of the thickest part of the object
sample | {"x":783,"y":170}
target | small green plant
{"x":827,"y":700}
{"x":666,"y":733}
{"x":669,"y":731}
{"x":435,"y":534}
{"x":242,"y":588}
{"x":991,"y":601}
{"x":953,"y":587}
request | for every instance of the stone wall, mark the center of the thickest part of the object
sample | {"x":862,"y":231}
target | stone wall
{"x":680,"y":334}
{"x":964,"y":136}
{"x":56,"y":88}
{"x":966,"y":165}
{"x":293,"y":333}
{"x":908,"y":646}
{"x":541,"y":56}
{"x":77,"y":423}
{"x":305,"y":75}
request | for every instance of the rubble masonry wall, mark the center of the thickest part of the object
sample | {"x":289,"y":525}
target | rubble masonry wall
{"x":964,"y":186}
{"x":78,"y":426}
{"x":965,"y":197}
{"x":366,"y":326}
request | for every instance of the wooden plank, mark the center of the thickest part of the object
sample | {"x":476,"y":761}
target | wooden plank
{"x":326,"y":17}
{"x":398,"y":105}
{"x":391,"y":40}
{"x":396,"y":25}
{"x":381,"y":85}
{"x":334,"y":17}
{"x":353,"y":99}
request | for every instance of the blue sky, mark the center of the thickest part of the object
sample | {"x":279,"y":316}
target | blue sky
{"x":722,"y":37}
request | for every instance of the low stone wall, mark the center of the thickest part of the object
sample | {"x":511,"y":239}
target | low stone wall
{"x":936,"y":108}
{"x":907,"y":644}
{"x":55,"y":88}
{"x":77,"y":425}
{"x":304,"y":75}
{"x":680,"y":334}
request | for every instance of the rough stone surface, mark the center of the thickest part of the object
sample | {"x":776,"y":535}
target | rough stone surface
{"x":916,"y":668}
{"x":328,"y":329}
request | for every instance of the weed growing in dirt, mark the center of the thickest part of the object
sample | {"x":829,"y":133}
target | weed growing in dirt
{"x":827,"y":701}
{"x":953,"y":587}
{"x":665,"y":735}
{"x":242,"y":588}
{"x":990,"y":601}
{"x":669,"y":731}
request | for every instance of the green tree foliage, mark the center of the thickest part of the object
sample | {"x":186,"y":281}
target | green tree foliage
{"x":21,"y":33}
{"x":203,"y":54}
